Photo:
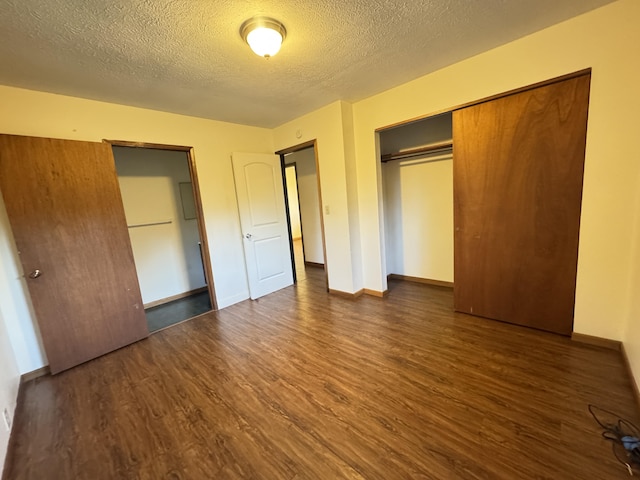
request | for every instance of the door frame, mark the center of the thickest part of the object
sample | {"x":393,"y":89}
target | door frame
{"x":296,"y":148}
{"x":195,"y":185}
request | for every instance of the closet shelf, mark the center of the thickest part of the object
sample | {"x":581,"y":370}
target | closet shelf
{"x":416,"y":152}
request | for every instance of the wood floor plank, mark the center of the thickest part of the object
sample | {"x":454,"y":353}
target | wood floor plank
{"x":305,"y":385}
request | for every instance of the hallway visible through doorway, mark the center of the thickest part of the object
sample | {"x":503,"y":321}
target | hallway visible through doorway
{"x":301,"y":273}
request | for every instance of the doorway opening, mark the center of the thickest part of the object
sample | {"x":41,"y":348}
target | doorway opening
{"x":161,"y":199}
{"x":293,"y":199}
{"x":303,"y":196}
{"x":417,"y":189}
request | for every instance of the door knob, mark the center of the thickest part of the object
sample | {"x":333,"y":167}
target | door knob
{"x":35,"y":274}
{"x":248,"y":236}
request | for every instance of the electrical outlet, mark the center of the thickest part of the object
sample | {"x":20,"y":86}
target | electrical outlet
{"x":7,"y":419}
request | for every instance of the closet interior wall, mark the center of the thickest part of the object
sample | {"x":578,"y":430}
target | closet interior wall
{"x":418,"y":200}
{"x":159,"y":206}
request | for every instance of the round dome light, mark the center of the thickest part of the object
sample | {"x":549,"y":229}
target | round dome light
{"x":264,"y":35}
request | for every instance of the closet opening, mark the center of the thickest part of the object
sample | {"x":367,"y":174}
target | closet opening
{"x":517,"y":180}
{"x":161,"y":199}
{"x":303,"y":200}
{"x":417,"y":187}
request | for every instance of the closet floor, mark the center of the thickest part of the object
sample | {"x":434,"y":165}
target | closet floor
{"x":177,"y":311}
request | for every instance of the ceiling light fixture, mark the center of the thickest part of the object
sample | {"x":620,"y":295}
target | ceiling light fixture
{"x":264,"y":35}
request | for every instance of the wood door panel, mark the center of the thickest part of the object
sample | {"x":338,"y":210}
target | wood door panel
{"x":66,"y":213}
{"x":518,"y":168}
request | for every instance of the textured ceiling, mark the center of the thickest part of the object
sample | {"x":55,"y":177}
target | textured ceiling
{"x":186,"y":56}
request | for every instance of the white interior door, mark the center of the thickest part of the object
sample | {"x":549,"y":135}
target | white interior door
{"x":263,"y":220}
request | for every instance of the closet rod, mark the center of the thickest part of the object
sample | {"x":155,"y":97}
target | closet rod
{"x":149,"y":224}
{"x":436,"y":147}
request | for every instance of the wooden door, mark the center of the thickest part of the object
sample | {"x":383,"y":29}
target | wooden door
{"x":64,"y":206}
{"x":518,"y":167}
{"x":263,"y":218}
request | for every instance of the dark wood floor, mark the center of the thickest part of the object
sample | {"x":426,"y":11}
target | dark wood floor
{"x":303,"y":385}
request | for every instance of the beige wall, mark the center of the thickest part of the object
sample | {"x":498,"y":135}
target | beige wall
{"x":631,"y":336}
{"x":351,"y":173}
{"x":326,"y":126}
{"x":9,"y":382}
{"x":26,"y":112}
{"x":606,"y":40}
{"x":15,"y":303}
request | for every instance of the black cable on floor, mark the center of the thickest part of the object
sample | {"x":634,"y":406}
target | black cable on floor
{"x":623,"y":434}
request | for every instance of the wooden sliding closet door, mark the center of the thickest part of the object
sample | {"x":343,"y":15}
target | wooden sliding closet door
{"x":64,"y":206}
{"x":518,"y":167}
